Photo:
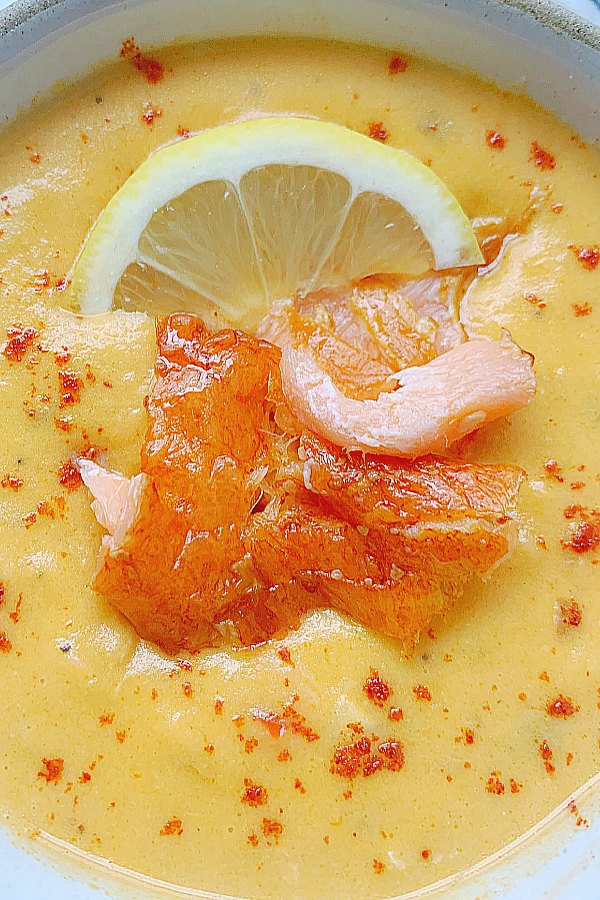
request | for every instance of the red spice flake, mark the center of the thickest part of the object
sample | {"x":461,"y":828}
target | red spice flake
{"x":397,"y":65}
{"x":543,"y":676}
{"x":219,"y":706}
{"x":378,"y":867}
{"x":562,"y":707}
{"x":19,"y":341}
{"x":467,"y":735}
{"x":557,"y":208}
{"x":254,"y":794}
{"x":272,"y":829}
{"x":290,"y":719}
{"x":172,"y":827}
{"x":150,"y":113}
{"x":284,"y":756}
{"x":62,"y":356}
{"x":284,"y":655}
{"x":584,"y":538}
{"x":378,"y":132}
{"x":52,"y":771}
{"x":577,"y":485}
{"x":541,"y":158}
{"x":182,"y":132}
{"x":361,"y":758}
{"x":299,"y":786}
{"x":515,"y":787}
{"x":425,"y":855}
{"x":546,"y":754}
{"x":252,"y":839}
{"x":64,"y":425}
{"x":589,"y":257}
{"x":69,"y":476}
{"x":152,"y":70}
{"x":495,"y":140}
{"x":582,"y":309}
{"x":106,"y":718}
{"x":494,"y":785}
{"x":128,"y":47}
{"x":522,"y":696}
{"x":392,"y":752}
{"x":34,"y":157}
{"x":187,"y":689}
{"x":355,"y":727}
{"x":70,"y":386}
{"x":30,"y":519}
{"x":395,"y":714}
{"x":571,"y":613}
{"x":569,"y":759}
{"x":209,"y":748}
{"x":5,"y":643}
{"x":272,"y":722}
{"x":347,"y":795}
{"x":120,"y":736}
{"x":571,"y":806}
{"x":250,"y":745}
{"x":377,"y":690}
{"x":421,"y":692}
{"x":84,"y":778}
{"x":15,"y":615}
{"x":573,"y":510}
{"x":535,"y":301}
{"x":44,"y":508}
{"x":554,"y":470}
{"x":2,"y":592}
{"x":41,"y":281}
{"x":11,"y":481}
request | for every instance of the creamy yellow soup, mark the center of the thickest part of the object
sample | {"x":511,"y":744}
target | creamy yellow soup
{"x":158,"y":765}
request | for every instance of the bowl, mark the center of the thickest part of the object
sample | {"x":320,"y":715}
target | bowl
{"x":529,"y":46}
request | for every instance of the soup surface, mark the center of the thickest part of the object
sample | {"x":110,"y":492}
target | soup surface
{"x":159,"y":763}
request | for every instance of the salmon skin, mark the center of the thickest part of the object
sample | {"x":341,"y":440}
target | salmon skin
{"x":242,"y":519}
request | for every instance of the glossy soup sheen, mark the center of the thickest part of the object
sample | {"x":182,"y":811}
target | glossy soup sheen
{"x":157,"y":764}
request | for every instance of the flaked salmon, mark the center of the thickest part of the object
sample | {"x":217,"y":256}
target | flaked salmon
{"x":242,"y":519}
{"x":383,"y":365}
{"x":432,"y":405}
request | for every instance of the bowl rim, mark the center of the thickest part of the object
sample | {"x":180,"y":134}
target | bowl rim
{"x":561,"y":20}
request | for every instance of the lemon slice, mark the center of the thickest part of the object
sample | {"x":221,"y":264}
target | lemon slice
{"x":233,"y":218}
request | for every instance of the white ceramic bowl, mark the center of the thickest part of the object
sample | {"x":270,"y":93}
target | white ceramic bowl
{"x":529,"y":45}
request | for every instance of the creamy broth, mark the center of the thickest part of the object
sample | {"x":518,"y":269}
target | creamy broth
{"x":121,"y":751}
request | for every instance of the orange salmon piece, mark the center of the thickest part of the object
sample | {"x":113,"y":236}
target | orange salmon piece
{"x":207,"y":440}
{"x":391,"y":580}
{"x":241,"y":521}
